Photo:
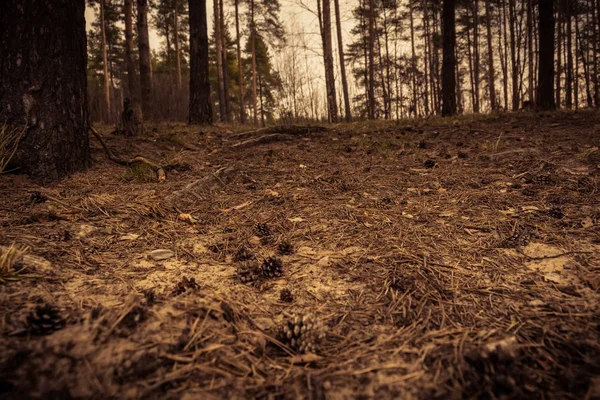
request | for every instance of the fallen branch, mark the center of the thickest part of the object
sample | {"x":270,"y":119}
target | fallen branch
{"x":263,"y":140}
{"x":197,"y":189}
{"x":278,"y":130}
{"x":160,"y":172}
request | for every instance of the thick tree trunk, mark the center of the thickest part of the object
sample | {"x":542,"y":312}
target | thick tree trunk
{"x":200,"y":107}
{"x":504,"y":45}
{"x":144,"y":56}
{"x":338,"y":23}
{"x":325,"y":27}
{"x":371,"y":99}
{"x":449,"y":60}
{"x":176,"y":39}
{"x":545,"y":92}
{"x":43,"y":84}
{"x":219,"y":53}
{"x":239,"y":63}
{"x":105,"y":62}
{"x":491,"y":69}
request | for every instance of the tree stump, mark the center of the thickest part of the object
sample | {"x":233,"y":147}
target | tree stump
{"x":131,"y":118}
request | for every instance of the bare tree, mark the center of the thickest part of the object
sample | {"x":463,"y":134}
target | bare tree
{"x":545,"y":92}
{"x":338,"y":23}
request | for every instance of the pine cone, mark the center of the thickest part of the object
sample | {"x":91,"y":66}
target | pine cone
{"x":44,"y":320}
{"x":543,"y":180}
{"x":262,"y":230}
{"x":249,"y":272}
{"x":286,"y":295}
{"x":242,"y":254}
{"x":285,"y":248}
{"x":38,"y":197}
{"x":184,"y":285}
{"x":302,"y":334}
{"x":272,"y":267}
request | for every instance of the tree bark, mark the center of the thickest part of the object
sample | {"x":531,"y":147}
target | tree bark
{"x":239,"y":63}
{"x":131,"y":117}
{"x":530,"y":94}
{"x":569,"y":81}
{"x":43,"y":84}
{"x":253,"y":50}
{"x":491,"y":69}
{"x":105,"y":62}
{"x":200,"y":107}
{"x":224,"y":63}
{"x":413,"y":61}
{"x":476,"y":62}
{"x":371,"y":98}
{"x":514,"y":55}
{"x":545,"y":95}
{"x":176,"y":39}
{"x":558,"y":46}
{"x":219,"y":53}
{"x":328,"y":61}
{"x":449,"y":60}
{"x":144,"y":56}
{"x":338,"y":21}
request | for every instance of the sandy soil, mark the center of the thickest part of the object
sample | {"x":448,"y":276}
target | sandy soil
{"x":429,"y":259}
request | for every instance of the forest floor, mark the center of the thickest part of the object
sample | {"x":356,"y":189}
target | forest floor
{"x":424,"y":259}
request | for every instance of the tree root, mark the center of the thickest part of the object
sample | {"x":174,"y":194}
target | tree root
{"x":279,"y":129}
{"x":160,"y":172}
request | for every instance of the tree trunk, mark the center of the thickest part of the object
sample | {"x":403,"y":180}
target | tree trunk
{"x":504,"y":62}
{"x":530,"y":94}
{"x":413,"y":62}
{"x":239,"y":63}
{"x":325,"y":27}
{"x":371,"y":99}
{"x":43,"y":84}
{"x":200,"y":107}
{"x":105,"y":62}
{"x":253,"y":50}
{"x":144,"y":56}
{"x":545,"y":95}
{"x":176,"y":39}
{"x":569,"y":81}
{"x":559,"y":52}
{"x":491,"y":69}
{"x":224,"y":63}
{"x":338,"y":21}
{"x":449,"y":60}
{"x":219,"y":53}
{"x":476,"y":54}
{"x":132,"y":110}
{"x":513,"y":53}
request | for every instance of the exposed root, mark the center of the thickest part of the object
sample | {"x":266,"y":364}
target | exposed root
{"x":160,"y":172}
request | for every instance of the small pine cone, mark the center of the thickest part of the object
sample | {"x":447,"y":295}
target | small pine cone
{"x":285,"y":248}
{"x":543,"y":180}
{"x":556,"y":212}
{"x":262,"y":230}
{"x":272,"y":267}
{"x":242,"y":254}
{"x":249,"y":272}
{"x":44,"y":320}
{"x":286,"y":295}
{"x":38,"y":197}
{"x":302,"y":334}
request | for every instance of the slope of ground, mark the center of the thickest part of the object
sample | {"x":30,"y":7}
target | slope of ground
{"x":437,"y":259}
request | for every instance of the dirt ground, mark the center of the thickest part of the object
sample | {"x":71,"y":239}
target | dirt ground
{"x":428,"y":259}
